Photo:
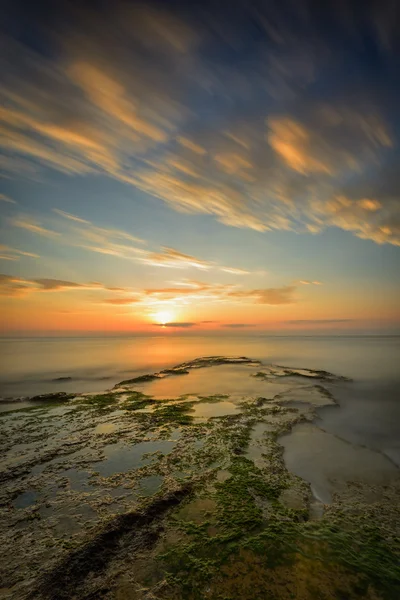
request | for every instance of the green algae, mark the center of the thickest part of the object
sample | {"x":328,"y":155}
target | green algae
{"x":249,"y":517}
{"x":137,"y":401}
{"x":140,"y":379}
{"x":175,"y":371}
{"x":176,"y":414}
{"x":214,"y":398}
{"x":358,"y":547}
{"x":229,"y":537}
{"x":100,"y":402}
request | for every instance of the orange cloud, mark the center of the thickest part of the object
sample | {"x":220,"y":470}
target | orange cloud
{"x":9,"y":253}
{"x":18,"y":286}
{"x":106,"y":240}
{"x":238,"y":325}
{"x":234,"y":271}
{"x":232,"y":162}
{"x":365,"y":218}
{"x":292,"y":142}
{"x":273,"y":296}
{"x":109,"y":96}
{"x":184,"y":167}
{"x":169,"y":257}
{"x":369,"y":204}
{"x":199,"y":291}
{"x":186,"y":143}
{"x":120,"y":301}
{"x":115,"y":100}
{"x":23,"y":144}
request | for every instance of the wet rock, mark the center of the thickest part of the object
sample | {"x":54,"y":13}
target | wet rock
{"x":175,"y":371}
{"x":140,"y":379}
{"x":53,"y":397}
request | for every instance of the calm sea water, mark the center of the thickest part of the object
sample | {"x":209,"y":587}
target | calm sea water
{"x":369,"y":411}
{"x":38,"y":365}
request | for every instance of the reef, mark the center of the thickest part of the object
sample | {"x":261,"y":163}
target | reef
{"x":175,"y":488}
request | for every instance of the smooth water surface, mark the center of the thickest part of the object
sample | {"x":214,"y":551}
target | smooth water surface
{"x":369,"y":412}
{"x":39,"y":365}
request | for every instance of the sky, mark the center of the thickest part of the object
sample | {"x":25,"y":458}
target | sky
{"x":200,"y":167}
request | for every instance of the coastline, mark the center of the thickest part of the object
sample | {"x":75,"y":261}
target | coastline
{"x":190,"y":488}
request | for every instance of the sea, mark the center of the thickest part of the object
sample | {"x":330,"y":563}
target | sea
{"x":368,"y":411}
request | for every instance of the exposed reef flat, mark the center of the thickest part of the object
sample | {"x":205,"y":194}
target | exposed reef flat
{"x":184,"y":484}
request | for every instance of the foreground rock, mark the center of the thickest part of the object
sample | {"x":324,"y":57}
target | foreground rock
{"x":132,"y":494}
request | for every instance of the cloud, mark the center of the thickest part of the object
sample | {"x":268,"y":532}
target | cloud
{"x":93,"y":233}
{"x":4,"y":198}
{"x":308,"y":282}
{"x":189,"y":292}
{"x":11,"y":285}
{"x":272,"y":296}
{"x":71,"y":217}
{"x":34,"y":227}
{"x":110,"y":97}
{"x":381,"y":225}
{"x":234,"y":271}
{"x":120,"y":300}
{"x":169,"y":257}
{"x":146,"y":95}
{"x":186,"y":143}
{"x":291,"y":141}
{"x":182,"y":325}
{"x":82,"y":233}
{"x":238,"y":325}
{"x":8,"y":253}
{"x":317,"y":321}
{"x":198,"y":292}
{"x":55,"y":284}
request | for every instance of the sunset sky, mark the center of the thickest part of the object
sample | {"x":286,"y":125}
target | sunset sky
{"x":200,"y":166}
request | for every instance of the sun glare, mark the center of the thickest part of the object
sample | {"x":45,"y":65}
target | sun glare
{"x":163,"y":317}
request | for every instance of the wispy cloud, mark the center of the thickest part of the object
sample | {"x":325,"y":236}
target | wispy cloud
{"x":178,"y":325}
{"x":272,"y":296}
{"x":238,"y":325}
{"x":169,"y":257}
{"x":317,"y":321}
{"x":94,"y":233}
{"x":8,"y":257}
{"x":33,"y":227}
{"x":149,"y":299}
{"x":4,"y":198}
{"x":18,"y":286}
{"x":120,"y":103}
{"x":71,"y":217}
{"x":76,"y":231}
{"x":109,"y":96}
{"x":8,"y":253}
{"x":204,"y":292}
{"x":186,"y":143}
{"x":234,"y":271}
{"x":120,"y":300}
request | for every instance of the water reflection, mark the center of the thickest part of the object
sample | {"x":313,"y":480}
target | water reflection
{"x":29,"y":366}
{"x":327,"y":462}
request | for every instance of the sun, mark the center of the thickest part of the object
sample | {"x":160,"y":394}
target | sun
{"x":163,"y":317}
